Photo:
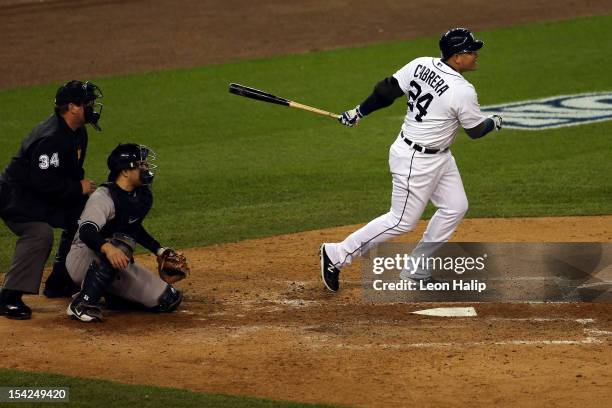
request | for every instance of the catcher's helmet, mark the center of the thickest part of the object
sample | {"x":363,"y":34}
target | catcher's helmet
{"x":132,"y":156}
{"x":81,"y":93}
{"x":457,"y":41}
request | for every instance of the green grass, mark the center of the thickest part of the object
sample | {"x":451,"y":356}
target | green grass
{"x":232,"y":168}
{"x":99,"y":393}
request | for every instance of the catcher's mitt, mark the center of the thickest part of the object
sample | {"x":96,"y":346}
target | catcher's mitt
{"x":125,"y":243}
{"x":172,"y":266}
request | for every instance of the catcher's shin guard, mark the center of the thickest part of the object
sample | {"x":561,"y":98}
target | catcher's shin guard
{"x":169,"y":300}
{"x":97,"y":279}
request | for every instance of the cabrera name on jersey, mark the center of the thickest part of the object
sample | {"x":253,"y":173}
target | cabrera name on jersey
{"x":439,"y":101}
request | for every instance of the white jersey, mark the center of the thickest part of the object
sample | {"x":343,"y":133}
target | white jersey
{"x":439,"y":100}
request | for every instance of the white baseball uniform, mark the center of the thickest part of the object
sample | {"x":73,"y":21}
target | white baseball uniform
{"x":439,"y":101}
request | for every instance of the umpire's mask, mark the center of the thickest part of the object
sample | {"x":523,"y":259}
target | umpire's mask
{"x":82,"y":93}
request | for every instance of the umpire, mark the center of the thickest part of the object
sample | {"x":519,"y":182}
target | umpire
{"x":43,"y":187}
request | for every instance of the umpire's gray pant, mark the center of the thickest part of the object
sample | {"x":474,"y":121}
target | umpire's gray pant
{"x":31,"y":253}
{"x":136,"y":283}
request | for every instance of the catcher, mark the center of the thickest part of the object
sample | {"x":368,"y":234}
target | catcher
{"x":100,"y":259}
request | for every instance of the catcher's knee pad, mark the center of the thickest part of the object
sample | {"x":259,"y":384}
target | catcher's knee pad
{"x":169,"y":300}
{"x":98,"y":278}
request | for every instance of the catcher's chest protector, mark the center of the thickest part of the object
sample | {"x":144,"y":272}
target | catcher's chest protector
{"x":131,"y":208}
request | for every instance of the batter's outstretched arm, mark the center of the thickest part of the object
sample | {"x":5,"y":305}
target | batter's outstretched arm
{"x":384,"y":94}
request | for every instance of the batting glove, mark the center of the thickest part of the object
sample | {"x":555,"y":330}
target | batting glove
{"x":351,"y":117}
{"x":497,"y":121}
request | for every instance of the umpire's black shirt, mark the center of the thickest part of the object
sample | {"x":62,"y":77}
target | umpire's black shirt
{"x":42,"y":182}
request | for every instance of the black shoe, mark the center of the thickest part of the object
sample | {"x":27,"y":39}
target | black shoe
{"x":15,"y":309}
{"x":60,"y":291}
{"x":85,"y":312}
{"x":329,"y":273}
{"x":169,"y":300}
{"x":59,"y":284}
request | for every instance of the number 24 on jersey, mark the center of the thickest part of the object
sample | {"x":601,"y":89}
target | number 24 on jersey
{"x":418,"y":101}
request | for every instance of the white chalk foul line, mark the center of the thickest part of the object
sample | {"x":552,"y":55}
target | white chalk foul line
{"x":593,"y":336}
{"x":597,"y":332}
{"x":587,"y":340}
{"x":541,"y":319}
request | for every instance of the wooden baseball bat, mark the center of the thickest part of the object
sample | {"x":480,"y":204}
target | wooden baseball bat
{"x":267,"y":97}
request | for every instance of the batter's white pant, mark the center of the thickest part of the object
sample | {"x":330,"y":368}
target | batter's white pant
{"x":417,"y":179}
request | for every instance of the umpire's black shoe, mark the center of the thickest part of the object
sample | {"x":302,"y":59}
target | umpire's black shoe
{"x":59,"y":284}
{"x":65,"y":291}
{"x":12,"y":307}
{"x":329,"y":273}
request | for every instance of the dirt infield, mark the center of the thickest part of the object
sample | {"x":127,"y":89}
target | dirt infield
{"x":257,"y":321}
{"x":92,"y":38}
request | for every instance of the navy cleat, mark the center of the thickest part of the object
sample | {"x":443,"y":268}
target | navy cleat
{"x":329,"y":273}
{"x":169,"y":300}
{"x":83,"y":311}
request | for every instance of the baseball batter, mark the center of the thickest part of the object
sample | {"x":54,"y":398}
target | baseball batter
{"x":422,"y":167}
{"x":100,"y":259}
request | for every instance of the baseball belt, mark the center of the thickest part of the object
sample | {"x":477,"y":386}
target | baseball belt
{"x":420,"y":148}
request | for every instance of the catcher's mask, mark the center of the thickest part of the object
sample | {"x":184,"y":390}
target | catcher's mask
{"x":131,"y":156}
{"x":82,"y":93}
{"x":458,"y":41}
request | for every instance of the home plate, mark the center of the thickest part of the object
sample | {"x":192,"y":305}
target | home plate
{"x":448,"y":312}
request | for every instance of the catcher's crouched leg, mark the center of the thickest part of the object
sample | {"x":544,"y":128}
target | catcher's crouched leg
{"x":115,"y":302}
{"x":169,"y":300}
{"x":85,"y":305}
